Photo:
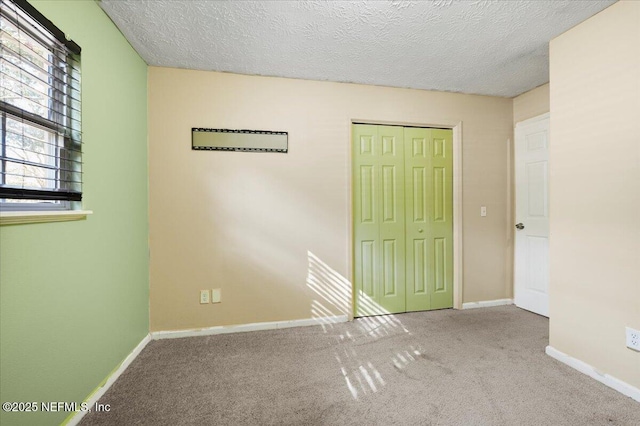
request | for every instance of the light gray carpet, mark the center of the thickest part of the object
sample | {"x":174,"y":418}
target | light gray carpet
{"x":473,"y":367}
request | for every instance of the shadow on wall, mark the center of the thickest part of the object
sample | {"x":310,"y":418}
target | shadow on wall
{"x":361,"y":376}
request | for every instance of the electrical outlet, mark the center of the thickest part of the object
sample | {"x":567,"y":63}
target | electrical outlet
{"x":216,"y":295}
{"x":204,"y":296}
{"x":633,"y":339}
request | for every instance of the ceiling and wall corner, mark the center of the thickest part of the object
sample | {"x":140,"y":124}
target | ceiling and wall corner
{"x":531,"y":104}
{"x":294,"y":38}
{"x":497,"y":48}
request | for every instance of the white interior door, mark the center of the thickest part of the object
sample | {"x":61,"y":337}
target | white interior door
{"x":532,"y":215}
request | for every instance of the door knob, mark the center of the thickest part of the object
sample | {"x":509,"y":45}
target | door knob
{"x":519,"y":226}
{"x":421,"y":230}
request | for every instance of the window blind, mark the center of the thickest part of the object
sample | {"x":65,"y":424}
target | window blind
{"x":40,"y":107}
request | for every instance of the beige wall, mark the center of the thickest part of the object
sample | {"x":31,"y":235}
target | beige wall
{"x":531,"y":104}
{"x":263,"y":226}
{"x":595,"y":190}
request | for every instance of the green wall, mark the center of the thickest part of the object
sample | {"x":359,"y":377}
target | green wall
{"x":74,"y":296}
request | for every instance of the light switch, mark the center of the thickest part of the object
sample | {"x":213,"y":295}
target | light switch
{"x":216,"y":295}
{"x":483,"y":211}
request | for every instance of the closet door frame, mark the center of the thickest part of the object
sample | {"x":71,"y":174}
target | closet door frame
{"x":456,"y":127}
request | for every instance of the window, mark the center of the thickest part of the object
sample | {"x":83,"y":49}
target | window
{"x":40,"y":149}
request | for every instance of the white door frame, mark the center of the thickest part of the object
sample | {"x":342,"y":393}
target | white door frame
{"x":457,"y":200}
{"x":519,"y":124}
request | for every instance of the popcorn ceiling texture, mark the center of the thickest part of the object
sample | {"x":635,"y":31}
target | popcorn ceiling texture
{"x":486,"y":47}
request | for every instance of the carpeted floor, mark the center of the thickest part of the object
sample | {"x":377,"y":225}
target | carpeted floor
{"x":473,"y":367}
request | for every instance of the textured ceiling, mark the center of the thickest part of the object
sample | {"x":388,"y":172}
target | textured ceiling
{"x":490,"y":47}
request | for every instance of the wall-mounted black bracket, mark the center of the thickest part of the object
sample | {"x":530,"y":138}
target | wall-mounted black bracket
{"x":203,"y":139}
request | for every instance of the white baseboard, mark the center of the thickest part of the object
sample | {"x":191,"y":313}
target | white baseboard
{"x":614,"y":383}
{"x":224,"y":329}
{"x":99,"y":392}
{"x":487,"y":303}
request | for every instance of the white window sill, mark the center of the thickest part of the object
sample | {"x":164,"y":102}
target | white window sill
{"x":16,"y":218}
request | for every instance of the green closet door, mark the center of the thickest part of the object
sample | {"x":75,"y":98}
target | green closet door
{"x":429,"y":218}
{"x":403,"y":219}
{"x":379,"y":231}
{"x":441,"y":226}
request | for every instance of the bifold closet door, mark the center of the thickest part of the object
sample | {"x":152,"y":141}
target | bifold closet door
{"x":429,"y":218}
{"x":379,"y":229}
{"x":403,"y":219}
